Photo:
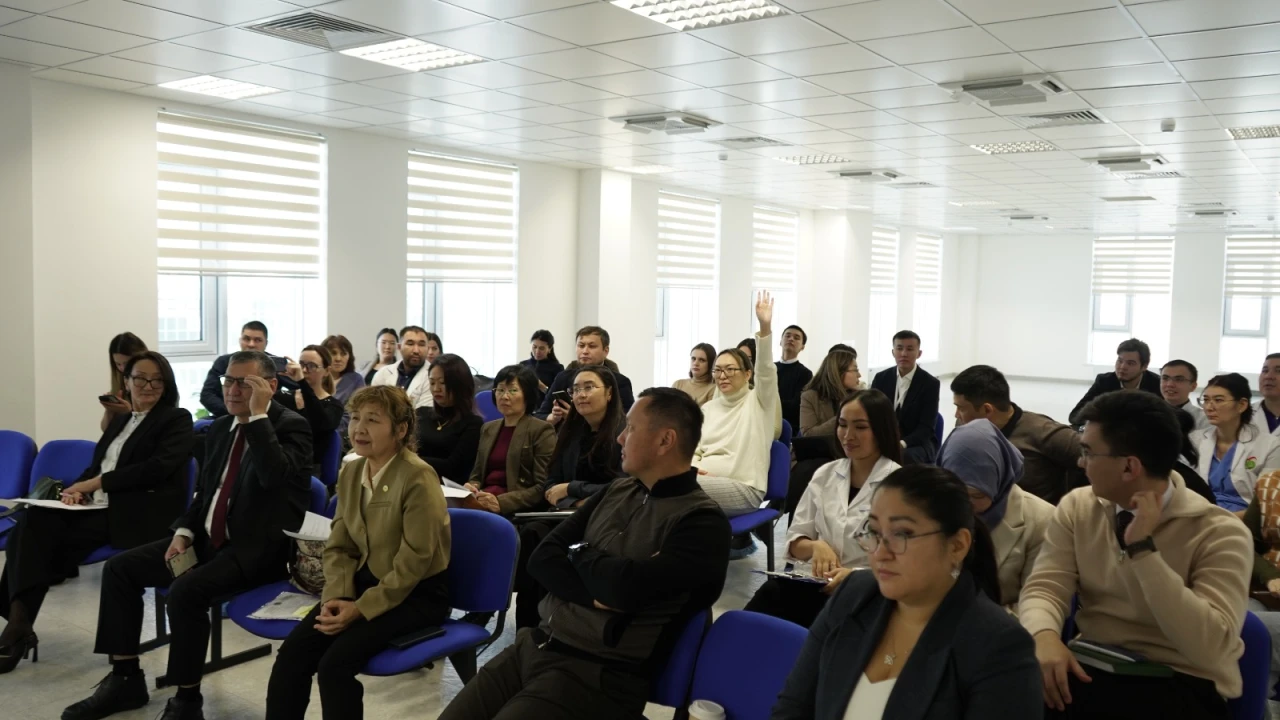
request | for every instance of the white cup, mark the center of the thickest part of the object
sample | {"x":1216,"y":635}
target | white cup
{"x":705,"y":710}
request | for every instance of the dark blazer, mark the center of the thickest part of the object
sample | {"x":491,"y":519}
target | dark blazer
{"x":545,"y":370}
{"x":565,"y":468}
{"x":211,"y":391}
{"x":565,"y":379}
{"x":973,"y":660}
{"x":148,"y":487}
{"x":532,"y":443}
{"x":1108,"y":382}
{"x":919,"y":412}
{"x":272,"y":493}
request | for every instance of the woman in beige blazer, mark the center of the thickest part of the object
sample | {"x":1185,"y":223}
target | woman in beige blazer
{"x":384,"y":564}
{"x":837,"y":376}
{"x":991,"y":467}
{"x":515,"y":450}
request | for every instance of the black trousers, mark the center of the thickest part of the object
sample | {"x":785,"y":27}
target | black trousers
{"x":790,"y":600}
{"x":336,"y":659}
{"x":1117,"y":697}
{"x":524,"y":682}
{"x":129,"y":574}
{"x":529,"y":592}
{"x":43,"y":549}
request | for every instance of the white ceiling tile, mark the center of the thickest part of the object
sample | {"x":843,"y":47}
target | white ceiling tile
{"x":725,"y":72}
{"x":939,"y":45}
{"x":589,"y":142}
{"x":248,"y":44}
{"x":690,"y":100}
{"x":823,"y":60}
{"x":599,"y":22}
{"x":421,"y":85}
{"x":1203,"y":122}
{"x":132,"y":18}
{"x":1092,"y":26}
{"x":245,"y":106}
{"x":496,"y":41}
{"x":665,"y":51}
{"x":599,"y":126}
{"x":990,"y":11}
{"x":998,"y":136}
{"x":801,"y":6}
{"x":573,"y":64}
{"x":1147,"y":112}
{"x":52,"y":31}
{"x":38,"y":6}
{"x":1250,"y":104}
{"x":1237,"y":87}
{"x":637,"y":82}
{"x":905,"y":97}
{"x":744,"y":113}
{"x":128,"y":70}
{"x":1123,"y":76}
{"x":503,"y":9}
{"x":184,"y":58}
{"x":548,"y":115}
{"x":358,"y":94}
{"x":813,"y":137}
{"x":533,"y":146}
{"x":301,"y":102}
{"x":559,"y":93}
{"x":488,"y":121}
{"x":831,"y":105}
{"x":176,"y":95}
{"x":777,"y":34}
{"x":1095,"y":55}
{"x":490,"y":101}
{"x":889,"y":132}
{"x":784,"y":125}
{"x":889,"y":18}
{"x":492,"y":75}
{"x":370,"y":116}
{"x":224,"y":12}
{"x":776,"y":91}
{"x":431,"y":127}
{"x":540,"y":132}
{"x":1181,"y":137}
{"x":98,"y":81}
{"x":327,"y":121}
{"x":1236,"y":66}
{"x":406,"y":17}
{"x":975,"y":68}
{"x":1147,"y":95}
{"x":612,"y":107}
{"x":889,"y":78}
{"x":1079,"y":131}
{"x":1180,"y":16}
{"x":917,"y":143}
{"x":975,"y":125}
{"x":427,"y":109}
{"x":1216,"y":43}
{"x":343,"y":67}
{"x":851,"y":121}
{"x":8,"y":15}
{"x":33,"y":53}
{"x":277,"y":77}
{"x":937,"y":113}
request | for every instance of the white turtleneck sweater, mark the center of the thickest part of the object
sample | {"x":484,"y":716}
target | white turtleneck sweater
{"x":739,"y":428}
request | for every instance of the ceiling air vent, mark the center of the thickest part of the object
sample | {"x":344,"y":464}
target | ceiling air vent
{"x":322,"y":31}
{"x":870,"y":176}
{"x":1131,"y":163}
{"x":669,"y":123}
{"x":913,"y":185}
{"x":1059,"y":119}
{"x":1027,"y":218}
{"x":1202,"y":206}
{"x":1211,"y":214}
{"x":1130,"y":198}
{"x":1006,"y":91}
{"x":749,"y":142}
{"x":1150,"y":175}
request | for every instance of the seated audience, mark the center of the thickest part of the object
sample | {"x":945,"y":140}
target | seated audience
{"x":384,"y":565}
{"x":624,"y":574}
{"x":1263,"y":520}
{"x":990,"y":466}
{"x":915,"y":398}
{"x":1131,"y":373}
{"x":122,"y":347}
{"x":699,"y":384}
{"x":748,"y":347}
{"x":253,"y":337}
{"x":1232,"y":451}
{"x":260,"y":453}
{"x":434,"y":347}
{"x":1158,"y":571}
{"x":139,"y":472}
{"x":514,"y":451}
{"x":449,"y":431}
{"x":1050,"y":450}
{"x":407,"y":374}
{"x":1267,"y":411}
{"x":927,"y":614}
{"x":314,"y":400}
{"x":837,"y":376}
{"x":593,"y":349}
{"x":342,"y":369}
{"x":822,"y":540}
{"x":740,"y":423}
{"x":387,"y":342}
{"x":1190,"y":458}
{"x":542,"y":359}
{"x":793,"y":376}
{"x":1177,"y":381}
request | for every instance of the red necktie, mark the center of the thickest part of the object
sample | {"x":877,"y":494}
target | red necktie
{"x":218,"y":527}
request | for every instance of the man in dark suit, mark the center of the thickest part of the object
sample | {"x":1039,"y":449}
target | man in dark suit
{"x":914,"y":393}
{"x":1131,"y":373}
{"x":253,"y":336}
{"x":254,"y":485}
{"x":593,"y":349}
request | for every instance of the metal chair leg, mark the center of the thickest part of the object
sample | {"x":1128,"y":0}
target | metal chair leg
{"x":162,"y":627}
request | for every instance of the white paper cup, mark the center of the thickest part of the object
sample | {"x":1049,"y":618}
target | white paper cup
{"x":705,"y":710}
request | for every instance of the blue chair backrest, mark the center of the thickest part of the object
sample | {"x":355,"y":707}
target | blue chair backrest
{"x":202,"y":425}
{"x":17,"y":453}
{"x":744,"y":663}
{"x":332,"y":460}
{"x":482,"y":560}
{"x":671,"y":686}
{"x":1255,"y":669}
{"x":779,"y":471}
{"x":937,"y":430}
{"x":332,"y":508}
{"x":61,"y":460}
{"x":485,"y":406}
{"x":319,"y":497}
{"x":785,"y":437}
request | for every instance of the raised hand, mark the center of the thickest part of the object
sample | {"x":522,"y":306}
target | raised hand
{"x":764,"y":311}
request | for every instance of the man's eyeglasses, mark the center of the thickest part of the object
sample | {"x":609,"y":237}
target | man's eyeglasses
{"x":725,"y":371}
{"x":141,"y":382}
{"x":587,"y":389}
{"x":870,"y":540}
{"x":241,"y":382}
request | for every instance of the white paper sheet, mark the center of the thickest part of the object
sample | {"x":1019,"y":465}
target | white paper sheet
{"x":286,"y":606}
{"x":53,"y":504}
{"x":314,"y":527}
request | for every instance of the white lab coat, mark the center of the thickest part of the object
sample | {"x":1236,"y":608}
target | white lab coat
{"x":1260,"y":421}
{"x":1261,"y":448}
{"x":419,"y":387}
{"x":825,"y":512}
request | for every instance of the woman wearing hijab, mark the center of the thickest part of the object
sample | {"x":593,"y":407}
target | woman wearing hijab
{"x":990,"y":466}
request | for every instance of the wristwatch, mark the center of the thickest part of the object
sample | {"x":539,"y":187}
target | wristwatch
{"x":1144,"y":545}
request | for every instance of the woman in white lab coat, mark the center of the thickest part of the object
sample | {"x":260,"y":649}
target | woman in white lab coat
{"x":821,"y":541}
{"x":1233,"y":453}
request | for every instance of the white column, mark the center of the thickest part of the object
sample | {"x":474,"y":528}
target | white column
{"x":959,"y":302}
{"x":547,"y":255}
{"x":907,"y":281}
{"x":857,"y":300}
{"x":1195,"y":324}
{"x":828,"y":288}
{"x":736,"y":235}
{"x":17,"y":290}
{"x":638,"y":302}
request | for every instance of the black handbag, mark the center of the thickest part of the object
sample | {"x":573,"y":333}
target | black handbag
{"x":46,"y":489}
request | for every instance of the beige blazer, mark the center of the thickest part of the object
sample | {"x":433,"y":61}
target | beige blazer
{"x":1017,"y":541}
{"x":402,"y":535}
{"x":527,"y":458}
{"x":817,"y":417}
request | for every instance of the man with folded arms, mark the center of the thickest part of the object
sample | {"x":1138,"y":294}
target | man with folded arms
{"x":623,"y":575}
{"x":1159,"y":571}
{"x":254,"y":485}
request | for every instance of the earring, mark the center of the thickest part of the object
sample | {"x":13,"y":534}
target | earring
{"x":955,"y":573}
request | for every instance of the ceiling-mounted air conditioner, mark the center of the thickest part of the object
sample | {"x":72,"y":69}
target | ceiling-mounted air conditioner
{"x":670,"y":123}
{"x":1003,"y":92}
{"x":869,"y":176}
{"x":1131,"y":163}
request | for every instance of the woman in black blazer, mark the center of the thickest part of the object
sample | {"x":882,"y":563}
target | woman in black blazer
{"x":921,"y":635}
{"x":139,"y":471}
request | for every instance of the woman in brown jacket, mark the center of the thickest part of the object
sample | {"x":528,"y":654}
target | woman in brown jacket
{"x":836,"y":378}
{"x":514,"y":450}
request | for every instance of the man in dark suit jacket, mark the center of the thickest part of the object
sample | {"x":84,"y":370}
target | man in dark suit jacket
{"x":254,"y":485}
{"x":1131,"y":373}
{"x":914,"y":393}
{"x":593,"y":349}
{"x":253,"y":336}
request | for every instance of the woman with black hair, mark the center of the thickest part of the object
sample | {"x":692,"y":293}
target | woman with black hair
{"x":542,"y":360}
{"x":138,"y":472}
{"x":387,"y":341}
{"x":449,"y":430}
{"x":1233,"y":453}
{"x":515,"y":449}
{"x":926,"y":614}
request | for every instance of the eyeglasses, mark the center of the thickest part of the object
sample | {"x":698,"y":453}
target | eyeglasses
{"x":141,"y":382}
{"x":1087,"y":456}
{"x":1204,"y":401}
{"x":725,"y":371}
{"x":309,"y":367}
{"x":870,"y":540}
{"x":587,"y":389}
{"x":240,"y":382}
{"x":503,"y":392}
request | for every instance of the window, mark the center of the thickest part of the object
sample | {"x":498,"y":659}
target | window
{"x":688,"y":249}
{"x":240,"y":236}
{"x":462,"y":230}
{"x":1132,"y":282}
{"x":926,"y":311}
{"x":884,"y":298}
{"x":774,"y":251}
{"x":1250,"y":331}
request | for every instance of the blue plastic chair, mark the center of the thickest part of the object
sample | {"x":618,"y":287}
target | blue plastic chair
{"x":746,"y":690}
{"x":1255,"y":671}
{"x":63,"y":460}
{"x":485,"y":406}
{"x":332,"y":461}
{"x":106,"y":552}
{"x":319,"y":497}
{"x":202,"y":425}
{"x":779,"y":471}
{"x":785,"y":437}
{"x":332,"y":508}
{"x":937,"y":430}
{"x":671,"y":686}
{"x":17,"y":453}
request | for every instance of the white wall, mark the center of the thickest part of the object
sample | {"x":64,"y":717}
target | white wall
{"x":17,"y":321}
{"x":547,"y":255}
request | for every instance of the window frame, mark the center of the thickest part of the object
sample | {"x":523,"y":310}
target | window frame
{"x":213,"y":309}
{"x":1098,"y":326}
{"x":1264,"y":318}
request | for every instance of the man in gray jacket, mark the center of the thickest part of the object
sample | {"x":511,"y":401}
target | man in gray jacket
{"x":624,"y":574}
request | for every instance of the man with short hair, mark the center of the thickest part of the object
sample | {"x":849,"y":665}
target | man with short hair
{"x":253,"y":336}
{"x":623,"y":575}
{"x":255,"y":484}
{"x":410,"y":373}
{"x":792,"y":374}
{"x":1131,"y":373}
{"x":1050,"y":450}
{"x":1177,"y":380}
{"x":914,"y":393}
{"x":1266,"y":413}
{"x":592,"y":349}
{"x":1159,"y":571}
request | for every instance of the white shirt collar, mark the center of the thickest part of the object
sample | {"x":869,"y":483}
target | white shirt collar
{"x":908,"y":377}
{"x":795,"y":359}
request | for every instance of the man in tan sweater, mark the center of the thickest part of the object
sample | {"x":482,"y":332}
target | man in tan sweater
{"x":1159,"y":571}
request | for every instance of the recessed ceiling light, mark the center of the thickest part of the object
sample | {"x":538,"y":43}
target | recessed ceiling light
{"x":1006,"y":148}
{"x":412,"y":54}
{"x":812,"y":159}
{"x":696,"y":14}
{"x":219,"y":87}
{"x":1255,"y":133}
{"x":972,"y":203}
{"x":645,"y":169}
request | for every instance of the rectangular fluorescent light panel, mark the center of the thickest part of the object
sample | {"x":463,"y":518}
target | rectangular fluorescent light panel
{"x":972,"y":203}
{"x":1006,"y":148}
{"x":411,"y":54}
{"x":812,"y":159}
{"x":697,"y":14}
{"x":1255,"y":133}
{"x":645,"y":169}
{"x":219,"y":87}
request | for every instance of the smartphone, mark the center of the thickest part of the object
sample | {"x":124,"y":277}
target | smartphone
{"x":562,"y":395}
{"x":182,"y":562}
{"x":110,"y":399}
{"x":282,"y":363}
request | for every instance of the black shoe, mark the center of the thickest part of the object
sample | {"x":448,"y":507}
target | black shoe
{"x":26,"y":646}
{"x":178,"y":709}
{"x":116,"y":693}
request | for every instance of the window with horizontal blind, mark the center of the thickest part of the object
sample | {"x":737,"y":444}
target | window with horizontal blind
{"x":884,"y":296}
{"x":1132,"y":265}
{"x":1252,"y":266}
{"x":1131,"y":283}
{"x":1251,"y":281}
{"x":926,"y":306}
{"x":688,"y":240}
{"x":773,"y":249}
{"x":462,"y":219}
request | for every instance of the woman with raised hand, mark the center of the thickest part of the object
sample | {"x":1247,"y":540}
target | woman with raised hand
{"x":699,"y":385}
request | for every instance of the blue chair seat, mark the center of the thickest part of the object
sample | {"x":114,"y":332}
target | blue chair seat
{"x":106,"y":552}
{"x":244,"y":604}
{"x":458,"y":636}
{"x":752,"y":520}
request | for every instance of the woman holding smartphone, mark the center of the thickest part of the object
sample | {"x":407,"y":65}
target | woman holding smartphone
{"x":122,"y":347}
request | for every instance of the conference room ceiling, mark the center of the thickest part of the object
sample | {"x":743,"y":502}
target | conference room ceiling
{"x":835,"y":85}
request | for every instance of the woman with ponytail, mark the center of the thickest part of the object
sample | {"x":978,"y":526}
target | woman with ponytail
{"x":927,"y":612}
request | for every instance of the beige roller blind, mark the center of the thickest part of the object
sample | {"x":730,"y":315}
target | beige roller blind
{"x":238,"y":198}
{"x":928,"y":264}
{"x":773,"y":249}
{"x":884,"y":260}
{"x":688,"y":240}
{"x":1132,"y":265}
{"x":462,"y":219}
{"x":1253,"y":266}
